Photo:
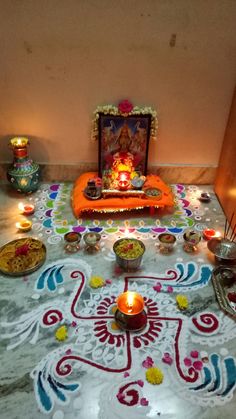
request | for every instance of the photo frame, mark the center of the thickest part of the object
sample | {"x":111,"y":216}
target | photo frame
{"x":124,"y":130}
{"x":123,"y":134}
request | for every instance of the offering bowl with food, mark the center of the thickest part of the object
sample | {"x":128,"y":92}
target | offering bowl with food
{"x":22,"y":256}
{"x":92,"y":241}
{"x":72,"y":240}
{"x":191,"y":240}
{"x":166,"y":242}
{"x":129,"y":253}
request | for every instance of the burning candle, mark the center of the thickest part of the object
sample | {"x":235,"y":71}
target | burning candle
{"x":26,"y":209}
{"x":24,"y":225}
{"x":210,"y":233}
{"x":130,"y":314}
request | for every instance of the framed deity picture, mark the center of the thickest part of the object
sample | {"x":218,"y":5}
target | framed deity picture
{"x":123,"y":133}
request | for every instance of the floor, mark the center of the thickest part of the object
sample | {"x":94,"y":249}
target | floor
{"x":62,"y":355}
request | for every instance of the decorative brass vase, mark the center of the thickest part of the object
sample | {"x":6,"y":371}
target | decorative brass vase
{"x":23,"y":175}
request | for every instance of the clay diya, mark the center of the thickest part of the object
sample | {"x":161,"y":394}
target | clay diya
{"x":130,"y":314}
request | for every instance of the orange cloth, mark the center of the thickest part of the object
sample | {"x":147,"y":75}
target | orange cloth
{"x":81,"y":204}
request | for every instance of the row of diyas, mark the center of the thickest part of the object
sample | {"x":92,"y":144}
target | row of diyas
{"x":25,"y":225}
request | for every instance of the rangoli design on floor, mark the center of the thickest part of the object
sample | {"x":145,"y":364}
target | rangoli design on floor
{"x":95,"y":344}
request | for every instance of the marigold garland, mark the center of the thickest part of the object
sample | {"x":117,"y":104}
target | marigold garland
{"x":96,"y":282}
{"x":154,"y":375}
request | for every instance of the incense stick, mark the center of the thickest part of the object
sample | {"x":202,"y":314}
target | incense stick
{"x":229,"y":226}
{"x":225,"y":227}
{"x":232,"y":234}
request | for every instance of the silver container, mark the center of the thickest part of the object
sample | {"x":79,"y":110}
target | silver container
{"x":223,"y":249}
{"x":129,"y":264}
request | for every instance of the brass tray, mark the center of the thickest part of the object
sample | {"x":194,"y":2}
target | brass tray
{"x":22,"y":256}
{"x":224,"y":282}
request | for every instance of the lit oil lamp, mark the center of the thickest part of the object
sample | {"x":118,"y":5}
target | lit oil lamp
{"x":19,"y":142}
{"x":24,"y":226}
{"x":130,"y":314}
{"x":124,"y":180}
{"x":210,"y":233}
{"x":26,"y":209}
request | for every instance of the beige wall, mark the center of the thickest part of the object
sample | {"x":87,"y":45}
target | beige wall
{"x":61,"y":58}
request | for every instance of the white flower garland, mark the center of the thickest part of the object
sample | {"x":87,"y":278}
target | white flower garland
{"x":113,"y":110}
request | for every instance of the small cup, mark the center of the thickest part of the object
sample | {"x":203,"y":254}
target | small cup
{"x":166,"y":242}
{"x":72,"y":240}
{"x":191,"y":240}
{"x":205,"y":197}
{"x":92,"y":241}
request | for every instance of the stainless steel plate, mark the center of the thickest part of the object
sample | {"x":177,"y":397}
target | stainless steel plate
{"x":224,"y":282}
{"x":223,"y":249}
{"x":22,"y":256}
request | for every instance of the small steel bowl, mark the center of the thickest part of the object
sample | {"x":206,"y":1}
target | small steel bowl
{"x":223,"y":249}
{"x":167,"y":242}
{"x":72,"y":240}
{"x":137,"y":182}
{"x":205,"y":197}
{"x":126,"y":263}
{"x":91,"y":240}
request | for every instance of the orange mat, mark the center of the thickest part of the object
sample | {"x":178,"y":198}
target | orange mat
{"x":81,"y":204}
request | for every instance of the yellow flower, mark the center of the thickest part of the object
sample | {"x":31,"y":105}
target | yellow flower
{"x":182,"y":301}
{"x":96,"y":282}
{"x":61,"y":333}
{"x":154,"y":375}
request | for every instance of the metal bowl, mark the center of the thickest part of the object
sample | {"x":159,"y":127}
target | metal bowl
{"x":223,"y":249}
{"x":137,"y":182}
{"x":91,"y":240}
{"x":127,"y":263}
{"x":166,"y":242}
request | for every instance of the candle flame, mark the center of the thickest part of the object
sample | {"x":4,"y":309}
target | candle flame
{"x":130,"y":302}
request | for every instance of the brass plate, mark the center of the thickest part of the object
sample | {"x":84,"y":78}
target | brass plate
{"x":224,"y":282}
{"x":22,"y":256}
